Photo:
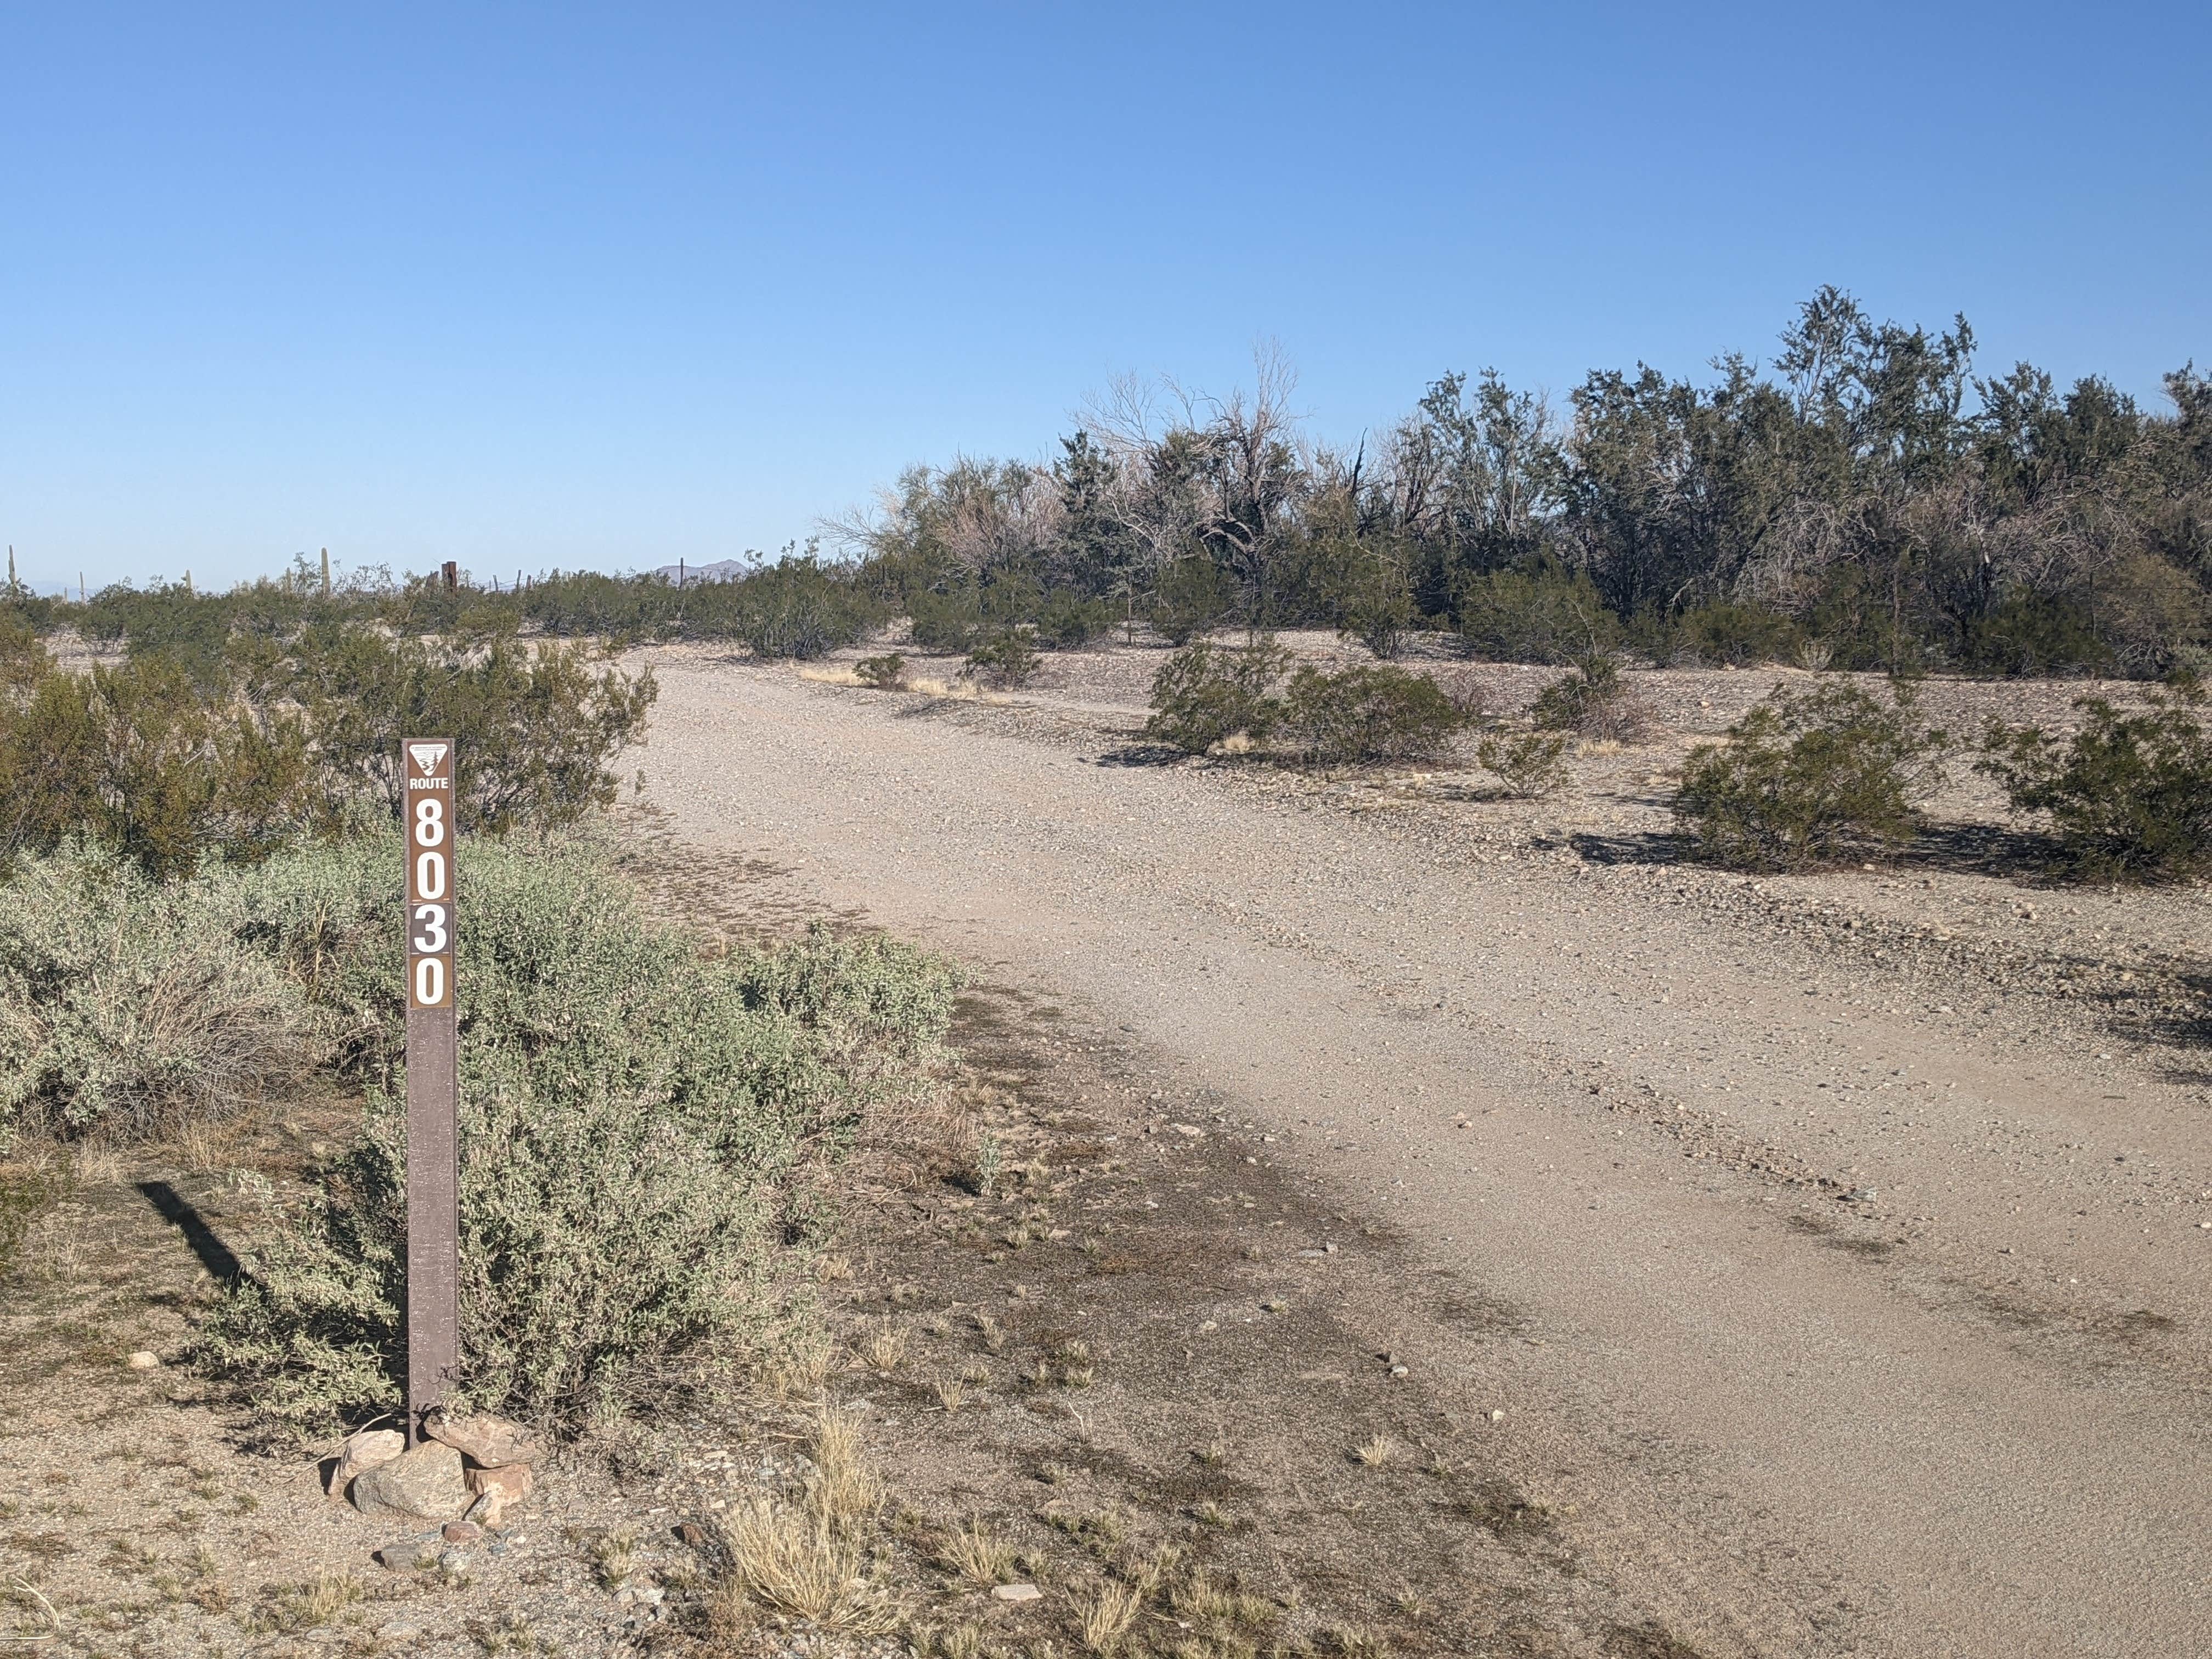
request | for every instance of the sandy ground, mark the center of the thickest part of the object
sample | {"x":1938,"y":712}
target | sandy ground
{"x":1853,"y":1229}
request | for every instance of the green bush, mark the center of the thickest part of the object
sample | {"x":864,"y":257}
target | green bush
{"x":142,"y":759}
{"x":1068,"y":621}
{"x":2130,"y":794}
{"x":1592,"y":700}
{"x":798,"y":607}
{"x":1008,"y":658}
{"x":1194,"y":594}
{"x":1740,"y":636}
{"x":128,"y":1006}
{"x":1543,"y":612}
{"x":1205,"y":693}
{"x":1809,"y":776}
{"x":885,"y":673}
{"x":1368,"y":715}
{"x":2033,"y":633}
{"x":639,"y":1124}
{"x":538,"y":726}
{"x":1530,"y":764}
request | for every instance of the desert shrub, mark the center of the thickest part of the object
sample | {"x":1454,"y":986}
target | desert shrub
{"x":128,"y":1005}
{"x":538,"y":726}
{"x":580,"y":604}
{"x":1194,"y":594}
{"x":638,"y":1125}
{"x":1809,"y":775}
{"x":1591,"y":700}
{"x":2130,"y":793}
{"x":951,"y":621}
{"x":1006,"y":658}
{"x":798,"y":607}
{"x":1726,"y":631}
{"x":1205,"y":693}
{"x":144,"y":760}
{"x":1530,"y":764}
{"x":1068,"y":621}
{"x":885,"y":673}
{"x":2033,"y":633}
{"x":1539,"y":613}
{"x":1367,"y":714}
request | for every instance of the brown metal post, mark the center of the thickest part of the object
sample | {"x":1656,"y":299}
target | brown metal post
{"x":433,"y":1079}
{"x":452,"y":573}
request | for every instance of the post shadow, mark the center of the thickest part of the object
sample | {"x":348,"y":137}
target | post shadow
{"x":215,"y":1255}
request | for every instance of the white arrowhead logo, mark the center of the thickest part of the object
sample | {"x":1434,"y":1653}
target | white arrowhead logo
{"x":426,"y":756}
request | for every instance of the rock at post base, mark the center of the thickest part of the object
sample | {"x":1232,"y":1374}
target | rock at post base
{"x":489,"y":1442}
{"x":422,"y":1485}
{"x":497,"y":1491}
{"x":362,"y":1451}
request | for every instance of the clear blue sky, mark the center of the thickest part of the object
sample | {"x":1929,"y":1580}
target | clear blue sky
{"x":558,"y":286}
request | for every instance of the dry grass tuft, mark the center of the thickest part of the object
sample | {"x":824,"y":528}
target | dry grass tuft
{"x":799,"y":1371}
{"x":1373,"y":1453}
{"x":883,"y":1348}
{"x":978,"y":1554}
{"x":807,"y":1558}
{"x":844,"y":1489}
{"x":951,"y":1392}
{"x":792,"y":1560}
{"x":822,"y":676}
{"x":285,"y":1608}
{"x":1105,"y":1619}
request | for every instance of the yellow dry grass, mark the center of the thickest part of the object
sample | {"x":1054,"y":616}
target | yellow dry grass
{"x":807,"y":1558}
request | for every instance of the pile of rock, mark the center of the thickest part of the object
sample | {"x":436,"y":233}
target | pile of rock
{"x":466,"y":1476}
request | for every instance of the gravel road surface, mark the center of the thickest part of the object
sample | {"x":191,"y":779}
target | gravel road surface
{"x":1858,"y":1307}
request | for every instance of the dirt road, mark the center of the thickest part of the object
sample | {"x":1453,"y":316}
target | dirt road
{"x":1858,"y":1306}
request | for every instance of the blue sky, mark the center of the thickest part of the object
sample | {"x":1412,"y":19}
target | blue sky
{"x":539,"y":286}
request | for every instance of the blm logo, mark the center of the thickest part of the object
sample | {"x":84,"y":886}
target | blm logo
{"x":426,"y":756}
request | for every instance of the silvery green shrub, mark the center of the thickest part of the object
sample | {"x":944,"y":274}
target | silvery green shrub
{"x":640,"y":1123}
{"x":128,"y":1005}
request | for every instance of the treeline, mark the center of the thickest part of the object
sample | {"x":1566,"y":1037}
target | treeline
{"x":1868,"y":501}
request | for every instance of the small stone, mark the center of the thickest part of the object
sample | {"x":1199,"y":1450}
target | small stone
{"x":1191,"y":1129}
{"x":461,"y":1532}
{"x":1497,"y":1416}
{"x":691,"y":1535}
{"x":1018,"y":1592}
{"x":1329,"y":1250}
{"x":459,"y":1562}
{"x":1397,"y":1371}
{"x":143,"y":1360}
{"x":413,"y":1555}
{"x":364,"y":1450}
{"x":422,"y":1485}
{"x":489,"y":1443}
{"x":399,"y":1629}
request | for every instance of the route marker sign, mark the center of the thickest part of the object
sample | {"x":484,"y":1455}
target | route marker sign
{"x":434,"y":1218}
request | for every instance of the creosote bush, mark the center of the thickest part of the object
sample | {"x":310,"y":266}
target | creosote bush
{"x":1530,"y":764}
{"x":883,"y":673}
{"x":1368,"y":715}
{"x":640,"y":1125}
{"x":170,"y":760}
{"x":1808,"y":776}
{"x":2130,"y":794}
{"x":1206,"y":693}
{"x":1008,"y":658}
{"x":1592,"y":700}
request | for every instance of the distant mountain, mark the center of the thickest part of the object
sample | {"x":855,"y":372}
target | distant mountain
{"x":722,"y":570}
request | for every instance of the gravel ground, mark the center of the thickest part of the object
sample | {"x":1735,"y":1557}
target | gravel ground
{"x":1854,"y":1225}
